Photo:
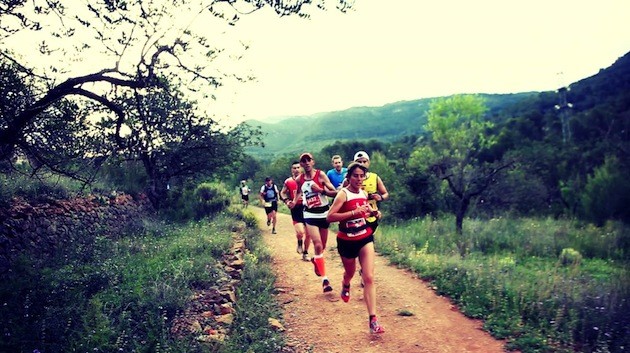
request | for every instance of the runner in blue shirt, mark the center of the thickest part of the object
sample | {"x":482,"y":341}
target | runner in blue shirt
{"x":338,"y":172}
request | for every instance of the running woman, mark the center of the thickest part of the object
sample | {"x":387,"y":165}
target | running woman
{"x":287,"y":194}
{"x":375,"y":189}
{"x":355,"y":238}
{"x":313,"y":187}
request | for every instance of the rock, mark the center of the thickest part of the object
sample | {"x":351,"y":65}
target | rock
{"x":226,"y":319}
{"x":275,"y":324}
{"x":195,"y":327}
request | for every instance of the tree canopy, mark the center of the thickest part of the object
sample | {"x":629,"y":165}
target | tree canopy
{"x":459,"y":134}
{"x":104,"y":60}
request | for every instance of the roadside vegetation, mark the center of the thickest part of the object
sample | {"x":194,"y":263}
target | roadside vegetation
{"x":121,"y":294}
{"x":544,"y":285}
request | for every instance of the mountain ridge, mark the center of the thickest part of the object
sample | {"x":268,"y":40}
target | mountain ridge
{"x":387,"y":122}
{"x":392,"y":121}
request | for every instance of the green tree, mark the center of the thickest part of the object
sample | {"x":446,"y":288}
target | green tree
{"x":607,"y":194}
{"x":174,"y":143}
{"x":459,"y":136}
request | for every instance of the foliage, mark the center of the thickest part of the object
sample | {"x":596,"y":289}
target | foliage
{"x":122,"y":295}
{"x":211,"y":198}
{"x":347,"y":149}
{"x":459,"y":136}
{"x":245,"y":169}
{"x":173,"y":143}
{"x":128,"y":176}
{"x":256,"y":302}
{"x":195,"y":202}
{"x":515,"y":278}
{"x":18,"y":185}
{"x":547,"y":176}
{"x":606,"y":193}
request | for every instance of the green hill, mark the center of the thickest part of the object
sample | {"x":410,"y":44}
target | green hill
{"x":386,"y":123}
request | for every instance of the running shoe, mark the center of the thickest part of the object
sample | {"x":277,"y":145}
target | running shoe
{"x":305,"y":256}
{"x":361,"y":278}
{"x":345,"y":292}
{"x":375,"y":327}
{"x":268,"y":222}
{"x":273,"y":231}
{"x":299,"y":249}
{"x":326,"y":285}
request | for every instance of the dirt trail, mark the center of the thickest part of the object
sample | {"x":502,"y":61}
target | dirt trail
{"x":323,"y":323}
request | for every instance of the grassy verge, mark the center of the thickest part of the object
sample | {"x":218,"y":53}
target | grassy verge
{"x":120,"y":295}
{"x":544,"y":285}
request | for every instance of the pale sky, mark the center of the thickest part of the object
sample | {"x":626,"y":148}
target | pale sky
{"x":388,"y":51}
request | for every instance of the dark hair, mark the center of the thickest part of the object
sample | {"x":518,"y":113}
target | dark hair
{"x":353,"y":166}
{"x":295,"y":162}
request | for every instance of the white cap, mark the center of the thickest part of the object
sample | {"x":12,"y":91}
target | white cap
{"x":361,"y":154}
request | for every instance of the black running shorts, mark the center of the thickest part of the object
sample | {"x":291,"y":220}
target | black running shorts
{"x":297,"y":214}
{"x":350,"y":248}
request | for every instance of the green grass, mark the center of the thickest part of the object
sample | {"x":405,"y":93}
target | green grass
{"x":121,"y":295}
{"x":518,"y":280}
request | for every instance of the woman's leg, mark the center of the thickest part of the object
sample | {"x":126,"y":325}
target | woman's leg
{"x":349,"y":267}
{"x":366,"y":259}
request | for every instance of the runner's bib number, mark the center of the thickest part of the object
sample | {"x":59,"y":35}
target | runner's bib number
{"x":355,"y":224}
{"x":313,"y":200}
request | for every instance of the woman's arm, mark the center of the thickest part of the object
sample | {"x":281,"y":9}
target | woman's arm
{"x":333,"y":213}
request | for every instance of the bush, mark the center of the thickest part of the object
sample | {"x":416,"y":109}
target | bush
{"x":607,"y":194}
{"x":196,"y":202}
{"x":570,"y":257}
{"x":211,"y":198}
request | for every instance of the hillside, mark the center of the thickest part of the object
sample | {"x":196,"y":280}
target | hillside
{"x":385,"y":123}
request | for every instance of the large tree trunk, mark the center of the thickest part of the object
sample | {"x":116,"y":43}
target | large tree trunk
{"x":462,"y":243}
{"x":156,"y":190}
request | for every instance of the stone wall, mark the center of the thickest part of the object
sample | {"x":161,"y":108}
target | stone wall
{"x":39,"y":230}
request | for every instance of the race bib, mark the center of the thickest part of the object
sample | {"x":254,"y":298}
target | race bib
{"x":353,"y":226}
{"x":267,"y":204}
{"x":313,"y":200}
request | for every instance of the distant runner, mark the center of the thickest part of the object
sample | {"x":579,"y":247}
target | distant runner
{"x":313,"y":187}
{"x":269,"y":199}
{"x":338,"y":171}
{"x":245,"y":190}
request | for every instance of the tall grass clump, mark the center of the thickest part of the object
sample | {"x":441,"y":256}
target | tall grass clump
{"x":45,"y":187}
{"x":544,"y":285}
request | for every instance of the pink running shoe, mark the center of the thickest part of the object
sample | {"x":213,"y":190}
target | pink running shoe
{"x":375,"y":327}
{"x":345,"y":292}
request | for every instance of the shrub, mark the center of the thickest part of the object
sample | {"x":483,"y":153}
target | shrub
{"x":570,"y":257}
{"x":607,"y":194}
{"x":211,"y":198}
{"x":196,"y":202}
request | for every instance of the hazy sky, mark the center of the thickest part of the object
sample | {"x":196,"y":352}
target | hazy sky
{"x":387,"y":51}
